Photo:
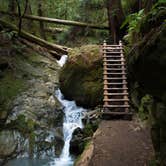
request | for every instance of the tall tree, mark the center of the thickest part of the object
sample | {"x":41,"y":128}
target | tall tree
{"x":115,"y":18}
{"x":28,"y":23}
{"x":40,"y":13}
{"x":21,"y":14}
{"x":11,"y":7}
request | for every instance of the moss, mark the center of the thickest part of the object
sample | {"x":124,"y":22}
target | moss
{"x":145,"y":107}
{"x":84,"y":82}
{"x":10,"y":86}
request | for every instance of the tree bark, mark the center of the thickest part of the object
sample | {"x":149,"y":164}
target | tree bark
{"x":59,"y":21}
{"x":41,"y":24}
{"x":148,"y":5}
{"x":115,"y":18}
{"x":29,"y":23}
{"x":11,"y":7}
{"x":34,"y":39}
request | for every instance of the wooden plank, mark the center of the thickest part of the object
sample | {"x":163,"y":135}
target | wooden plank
{"x":116,"y":100}
{"x":115,"y":88}
{"x":110,"y":73}
{"x":114,"y":60}
{"x":117,"y":106}
{"x":114,"y":78}
{"x":106,"y":64}
{"x":115,"y":83}
{"x":112,"y":56}
{"x":116,"y":94}
{"x":115,"y":69}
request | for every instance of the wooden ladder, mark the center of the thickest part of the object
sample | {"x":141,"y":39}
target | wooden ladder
{"x":116,"y":101}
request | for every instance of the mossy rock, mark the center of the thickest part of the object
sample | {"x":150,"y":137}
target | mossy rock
{"x":81,"y":78}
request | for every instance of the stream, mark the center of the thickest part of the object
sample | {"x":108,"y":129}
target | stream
{"x":72,"y":120}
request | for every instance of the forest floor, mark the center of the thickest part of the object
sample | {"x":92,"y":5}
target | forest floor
{"x":119,"y":143}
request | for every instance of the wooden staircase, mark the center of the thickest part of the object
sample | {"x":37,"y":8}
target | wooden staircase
{"x":116,"y":101}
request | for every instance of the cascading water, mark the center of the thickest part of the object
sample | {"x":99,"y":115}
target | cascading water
{"x":72,"y":120}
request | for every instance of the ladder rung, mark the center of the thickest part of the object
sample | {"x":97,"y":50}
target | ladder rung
{"x":109,"y":45}
{"x":114,"y":60}
{"x":115,"y":88}
{"x":115,"y":69}
{"x":115,"y":83}
{"x":112,"y":52}
{"x":115,"y":78}
{"x":116,"y":100}
{"x":117,"y":106}
{"x":112,"y":56}
{"x":113,"y":64}
{"x":115,"y":94}
{"x":109,"y":48}
{"x":108,"y":73}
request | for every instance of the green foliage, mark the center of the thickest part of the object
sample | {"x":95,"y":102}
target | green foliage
{"x":145,"y":107}
{"x":133,"y":21}
{"x":9,"y":88}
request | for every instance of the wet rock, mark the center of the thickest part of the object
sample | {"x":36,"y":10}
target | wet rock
{"x":35,"y":111}
{"x":80,"y":136}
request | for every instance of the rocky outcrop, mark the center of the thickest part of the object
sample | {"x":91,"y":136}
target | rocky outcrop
{"x":81,"y":78}
{"x":147,"y":70}
{"x":31,"y":117}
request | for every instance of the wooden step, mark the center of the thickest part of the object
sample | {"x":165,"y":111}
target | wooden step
{"x":110,"y":52}
{"x":106,"y":64}
{"x":112,"y":56}
{"x":116,"y":106}
{"x":111,"y":73}
{"x":109,"y":45}
{"x":114,"y":78}
{"x":108,"y":60}
{"x":115,"y":94}
{"x":115,"y":83}
{"x":109,"y":48}
{"x":115,"y":69}
{"x":115,"y":88}
{"x":116,"y":100}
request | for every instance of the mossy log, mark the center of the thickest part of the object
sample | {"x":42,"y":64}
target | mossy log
{"x":34,"y":39}
{"x":58,"y":21}
{"x":54,"y":30}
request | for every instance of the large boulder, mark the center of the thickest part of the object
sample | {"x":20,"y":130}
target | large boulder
{"x":81,"y":78}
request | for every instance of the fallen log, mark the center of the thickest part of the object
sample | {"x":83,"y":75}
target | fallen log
{"x":54,"y":30}
{"x":34,"y":39}
{"x":58,"y":21}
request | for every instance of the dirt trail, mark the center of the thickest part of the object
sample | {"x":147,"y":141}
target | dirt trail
{"x":121,"y":143}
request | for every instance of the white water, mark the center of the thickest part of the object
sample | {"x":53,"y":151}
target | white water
{"x":72,"y":120}
{"x":63,"y":60}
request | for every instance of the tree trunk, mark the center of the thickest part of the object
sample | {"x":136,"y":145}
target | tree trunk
{"x":41,"y":24}
{"x":11,"y":7}
{"x":29,"y":23}
{"x":115,"y":18}
{"x":148,"y":5}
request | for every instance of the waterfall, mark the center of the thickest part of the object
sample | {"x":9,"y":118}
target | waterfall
{"x":72,"y":120}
